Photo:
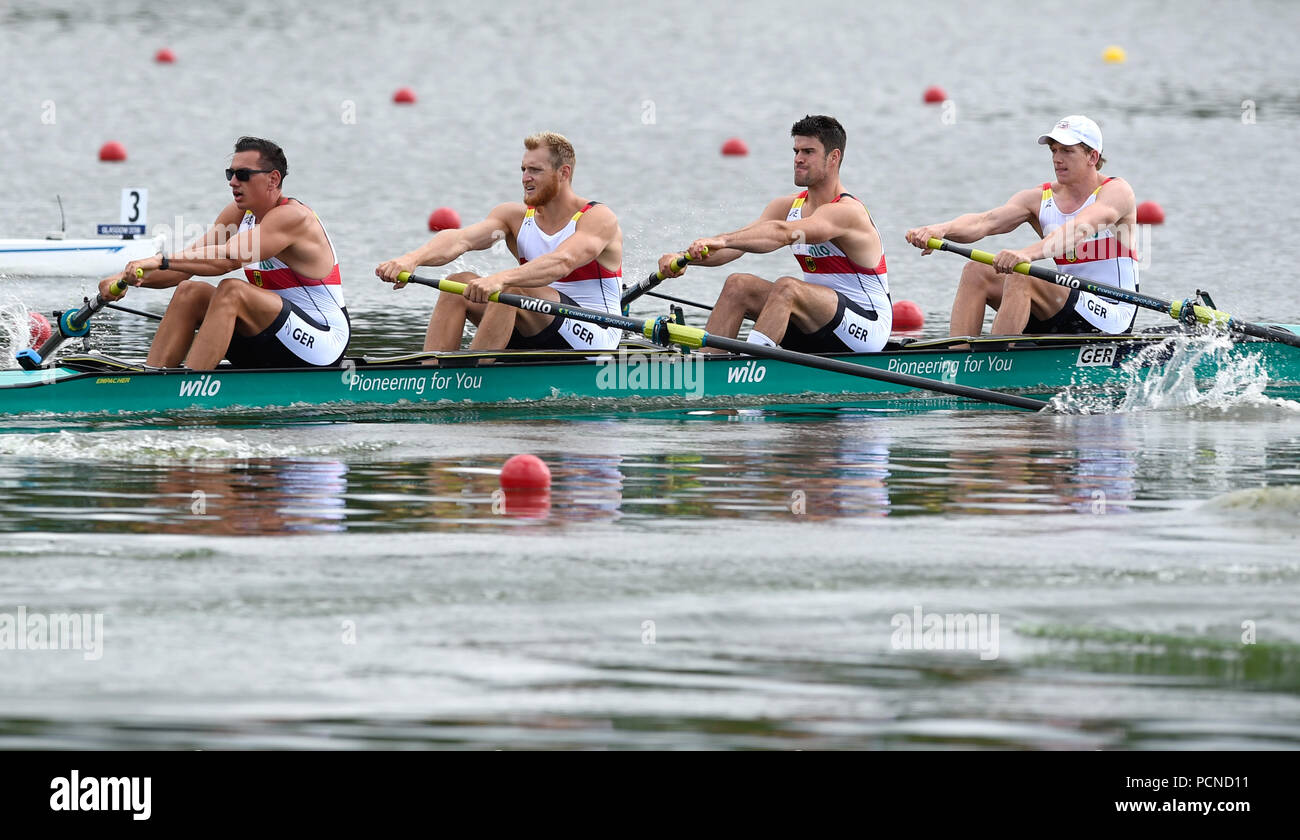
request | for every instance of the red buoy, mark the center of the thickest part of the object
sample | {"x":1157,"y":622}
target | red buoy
{"x":908,"y":316}
{"x":935,"y":95}
{"x":404,"y":96}
{"x":164,"y":56}
{"x":525,"y":472}
{"x":735,"y":146}
{"x":444,"y":218}
{"x":112,"y":152}
{"x":1150,"y":213}
{"x":40,"y":329}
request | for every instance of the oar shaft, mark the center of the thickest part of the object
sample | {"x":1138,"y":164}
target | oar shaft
{"x":695,"y":338}
{"x":119,"y":308}
{"x":663,"y":296}
{"x":1174,"y":309}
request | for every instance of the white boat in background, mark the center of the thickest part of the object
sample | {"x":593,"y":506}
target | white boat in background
{"x":73,"y":257}
{"x":58,"y":256}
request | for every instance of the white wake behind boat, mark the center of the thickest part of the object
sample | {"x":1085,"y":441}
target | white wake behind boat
{"x":73,"y":257}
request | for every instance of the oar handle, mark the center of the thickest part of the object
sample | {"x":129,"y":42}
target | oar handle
{"x":1188,"y":311}
{"x":635,"y":291}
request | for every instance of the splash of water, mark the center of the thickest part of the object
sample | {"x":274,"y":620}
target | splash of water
{"x":1202,"y":372}
{"x":1281,"y":501}
{"x":15,"y":329}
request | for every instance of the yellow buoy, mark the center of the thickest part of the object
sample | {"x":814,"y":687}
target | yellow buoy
{"x":1114,"y":55}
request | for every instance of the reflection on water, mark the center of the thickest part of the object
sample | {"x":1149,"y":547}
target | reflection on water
{"x":779,"y":465}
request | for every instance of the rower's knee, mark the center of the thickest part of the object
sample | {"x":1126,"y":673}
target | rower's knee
{"x":980,"y":275}
{"x":786,"y":287}
{"x":188,"y":290}
{"x":231,"y":286}
{"x":748,"y":290}
{"x":462,"y":277}
{"x":448,"y":302}
{"x":741,"y":280}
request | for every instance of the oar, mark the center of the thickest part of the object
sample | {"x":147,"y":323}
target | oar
{"x":664,"y":331}
{"x":662,"y":296}
{"x":119,"y":308}
{"x":639,"y":288}
{"x":72,"y":324}
{"x":1187,"y":311}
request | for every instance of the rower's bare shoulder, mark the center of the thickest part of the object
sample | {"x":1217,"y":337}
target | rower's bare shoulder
{"x":1116,"y":186}
{"x":1028,"y":199}
{"x":511,"y":214}
{"x":599,"y":215}
{"x":231,"y":214}
{"x":779,"y":208}
{"x":292,"y":214}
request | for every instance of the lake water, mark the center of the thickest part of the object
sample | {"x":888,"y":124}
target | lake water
{"x":745,"y":577}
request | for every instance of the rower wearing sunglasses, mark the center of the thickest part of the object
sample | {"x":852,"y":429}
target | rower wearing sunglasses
{"x":289,"y":312}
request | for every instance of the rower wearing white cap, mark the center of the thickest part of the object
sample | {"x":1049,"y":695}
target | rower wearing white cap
{"x":1085,"y":221}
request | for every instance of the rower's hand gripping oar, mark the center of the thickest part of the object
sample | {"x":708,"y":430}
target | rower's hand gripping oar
{"x":1187,"y":311}
{"x":72,"y":324}
{"x":662,"y":330}
{"x":639,"y":288}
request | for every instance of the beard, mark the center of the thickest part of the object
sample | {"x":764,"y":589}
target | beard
{"x":809,"y":178}
{"x":543,"y":194}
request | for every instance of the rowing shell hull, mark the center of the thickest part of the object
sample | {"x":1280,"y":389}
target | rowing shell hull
{"x":73,"y":257}
{"x":653,"y":381}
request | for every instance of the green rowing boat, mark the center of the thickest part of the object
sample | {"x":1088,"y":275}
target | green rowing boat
{"x":650,"y":376}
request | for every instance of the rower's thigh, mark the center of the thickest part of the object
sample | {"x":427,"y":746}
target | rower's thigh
{"x":255,"y":309}
{"x":811,"y":306}
{"x":983,"y":280}
{"x":452,"y":305}
{"x":530,"y":323}
{"x":1046,"y":299}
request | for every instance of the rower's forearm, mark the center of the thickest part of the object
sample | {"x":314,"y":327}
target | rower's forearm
{"x":203,"y":268}
{"x":969,"y":227}
{"x":542,"y":271}
{"x":446,"y":246}
{"x":164,"y":279}
{"x":1058,"y":243}
{"x":761,"y":237}
{"x":722,"y":256}
{"x":212,"y":260}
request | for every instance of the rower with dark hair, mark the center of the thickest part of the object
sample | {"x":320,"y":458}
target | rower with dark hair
{"x":840,"y":303}
{"x":289,"y":312}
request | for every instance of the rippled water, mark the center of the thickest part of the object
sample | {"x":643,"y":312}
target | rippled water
{"x":722,"y":577}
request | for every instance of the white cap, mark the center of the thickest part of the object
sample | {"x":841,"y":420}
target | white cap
{"x":1073,"y":129}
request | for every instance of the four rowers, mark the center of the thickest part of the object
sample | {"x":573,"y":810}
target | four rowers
{"x":291,"y":313}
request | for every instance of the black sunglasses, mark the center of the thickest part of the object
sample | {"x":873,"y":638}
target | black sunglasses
{"x":244,"y":174}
